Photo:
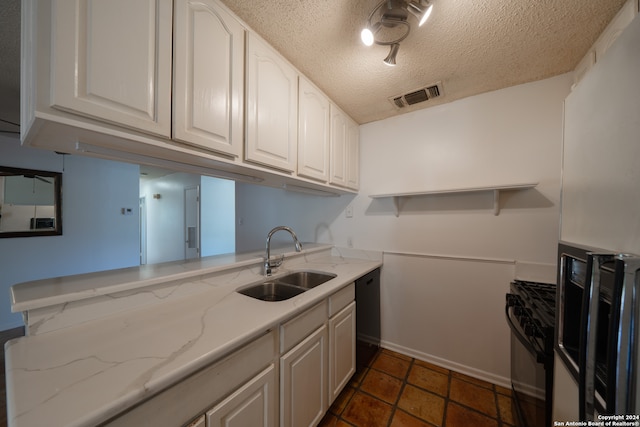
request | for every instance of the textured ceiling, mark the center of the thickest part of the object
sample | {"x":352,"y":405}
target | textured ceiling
{"x":470,"y":46}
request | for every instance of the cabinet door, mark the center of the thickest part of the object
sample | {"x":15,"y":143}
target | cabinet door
{"x":352,"y":164}
{"x":253,"y":404}
{"x":208,"y":99}
{"x":303,"y":371}
{"x":272,"y":103}
{"x":342,"y":349}
{"x":345,"y":145}
{"x":339,"y":132}
{"x":313,"y":132}
{"x":198,"y":422}
{"x":111,"y":60}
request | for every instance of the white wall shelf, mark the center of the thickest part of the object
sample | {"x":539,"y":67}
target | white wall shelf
{"x":397,"y":197}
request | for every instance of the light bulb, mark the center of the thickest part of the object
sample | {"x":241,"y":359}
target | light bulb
{"x":426,"y":15}
{"x":367,"y":37}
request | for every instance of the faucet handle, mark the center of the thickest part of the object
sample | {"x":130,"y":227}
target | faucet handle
{"x":275,"y":262}
{"x":270,"y":263}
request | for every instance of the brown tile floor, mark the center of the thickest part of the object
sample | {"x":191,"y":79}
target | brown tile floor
{"x":399,"y":391}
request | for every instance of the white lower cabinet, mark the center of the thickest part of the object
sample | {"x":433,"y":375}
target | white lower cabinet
{"x":303,"y":373}
{"x":251,"y":405}
{"x":342,"y":349}
{"x":185,"y":402}
{"x":318,"y":358}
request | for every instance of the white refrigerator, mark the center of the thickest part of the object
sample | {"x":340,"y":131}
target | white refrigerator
{"x":600,"y":203}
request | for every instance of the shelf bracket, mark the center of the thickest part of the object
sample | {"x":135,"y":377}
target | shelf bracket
{"x":496,"y":202}
{"x":396,"y":204}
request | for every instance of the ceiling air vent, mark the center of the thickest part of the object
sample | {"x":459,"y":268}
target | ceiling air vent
{"x":417,"y":96}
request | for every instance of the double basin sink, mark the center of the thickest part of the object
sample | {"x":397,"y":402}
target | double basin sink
{"x":287,"y":286}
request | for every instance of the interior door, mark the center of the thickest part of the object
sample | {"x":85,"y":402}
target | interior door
{"x":143,"y":230}
{"x":192,"y":222}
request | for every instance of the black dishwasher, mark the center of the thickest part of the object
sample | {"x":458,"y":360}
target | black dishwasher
{"x":367,"y":318}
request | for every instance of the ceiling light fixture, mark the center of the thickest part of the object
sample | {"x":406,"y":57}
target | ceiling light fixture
{"x":391,"y":58}
{"x":421,"y":12}
{"x":387,"y":24}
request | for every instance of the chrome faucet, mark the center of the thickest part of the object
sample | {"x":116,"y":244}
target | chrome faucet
{"x":268,"y":262}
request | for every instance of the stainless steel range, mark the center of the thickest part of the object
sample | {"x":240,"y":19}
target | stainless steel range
{"x":530,"y":312}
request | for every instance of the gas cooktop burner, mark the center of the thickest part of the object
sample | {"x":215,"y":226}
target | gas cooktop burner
{"x":540,"y":298}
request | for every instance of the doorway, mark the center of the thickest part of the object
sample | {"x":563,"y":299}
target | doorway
{"x":172,"y":206}
{"x":192,"y":222}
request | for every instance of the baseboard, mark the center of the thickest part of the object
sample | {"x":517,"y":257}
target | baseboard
{"x":457,"y":367}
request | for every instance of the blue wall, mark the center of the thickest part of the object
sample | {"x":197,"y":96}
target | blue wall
{"x":96,"y":236}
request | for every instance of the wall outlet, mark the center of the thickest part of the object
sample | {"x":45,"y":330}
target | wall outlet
{"x":126,"y":211}
{"x":349,"y":212}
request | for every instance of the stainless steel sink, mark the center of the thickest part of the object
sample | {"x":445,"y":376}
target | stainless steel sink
{"x":306,"y":279}
{"x":287,"y":286}
{"x":271,"y":291}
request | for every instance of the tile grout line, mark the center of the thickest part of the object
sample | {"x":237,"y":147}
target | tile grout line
{"x":451,"y":375}
{"x":472,"y":409}
{"x":497,"y":403}
{"x":405,"y":380}
{"x":447,"y":398}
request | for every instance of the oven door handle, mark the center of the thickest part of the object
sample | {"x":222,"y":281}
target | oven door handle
{"x":589,"y":335}
{"x":540,"y":356}
{"x":620,"y":385}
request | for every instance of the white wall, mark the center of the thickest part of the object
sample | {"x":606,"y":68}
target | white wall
{"x":95,"y":234}
{"x":444,"y":279}
{"x":259,"y":209}
{"x":448,"y":260}
{"x":218,"y":216}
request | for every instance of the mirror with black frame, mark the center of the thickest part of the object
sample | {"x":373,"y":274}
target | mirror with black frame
{"x":30,"y":202}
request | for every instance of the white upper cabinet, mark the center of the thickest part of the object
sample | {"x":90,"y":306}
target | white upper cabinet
{"x":353,"y":155}
{"x":314,"y":127}
{"x":208,"y":98}
{"x":338,"y":147}
{"x":272,"y":104}
{"x":177,"y":81}
{"x":345,"y":143}
{"x":112,"y":60}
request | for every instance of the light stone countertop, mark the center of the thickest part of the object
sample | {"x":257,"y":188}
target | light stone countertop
{"x":85,"y":374}
{"x":47,"y":292}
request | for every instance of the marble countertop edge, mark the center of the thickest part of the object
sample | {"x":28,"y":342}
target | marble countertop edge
{"x":47,"y":292}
